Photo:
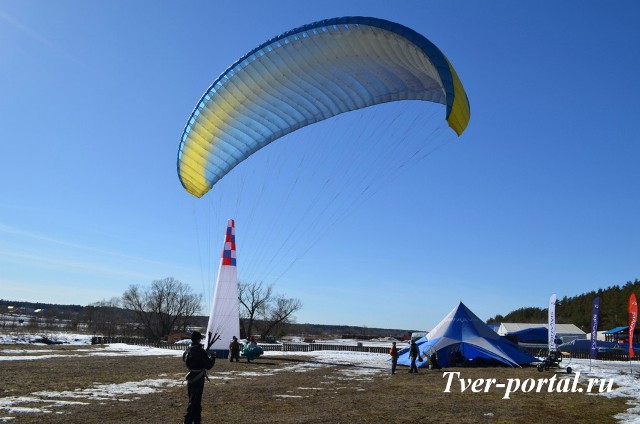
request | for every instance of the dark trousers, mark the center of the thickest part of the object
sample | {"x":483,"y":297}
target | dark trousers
{"x":194,"y":409}
{"x":394,"y":364}
{"x":234,"y":355}
{"x":413,"y":365}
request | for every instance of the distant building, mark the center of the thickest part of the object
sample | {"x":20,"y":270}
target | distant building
{"x":416,"y":335}
{"x":565,"y":332}
{"x":176,"y":336}
{"x":621,"y":335}
{"x":494,"y":327}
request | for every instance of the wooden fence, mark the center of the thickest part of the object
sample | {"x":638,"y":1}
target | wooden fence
{"x":138,"y":342}
{"x":314,"y":347}
{"x":267,"y":347}
{"x":603,"y":356}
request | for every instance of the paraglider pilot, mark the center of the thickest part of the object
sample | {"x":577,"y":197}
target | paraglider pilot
{"x":198,"y":362}
{"x":252,"y":350}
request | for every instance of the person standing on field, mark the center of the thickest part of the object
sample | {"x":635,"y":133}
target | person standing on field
{"x":393,"y":352}
{"x":234,"y":350}
{"x":414,"y":354}
{"x":198,"y":362}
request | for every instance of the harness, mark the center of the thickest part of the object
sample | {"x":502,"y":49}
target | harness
{"x":196,"y":375}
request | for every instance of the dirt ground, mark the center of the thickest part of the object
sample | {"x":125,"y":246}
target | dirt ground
{"x":83,"y":388}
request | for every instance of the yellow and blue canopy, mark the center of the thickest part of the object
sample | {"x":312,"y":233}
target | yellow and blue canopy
{"x":307,"y":75}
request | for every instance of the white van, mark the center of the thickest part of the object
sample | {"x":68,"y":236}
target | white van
{"x":417,"y":335}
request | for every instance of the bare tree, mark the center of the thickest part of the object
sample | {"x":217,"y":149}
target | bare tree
{"x":261,"y":306}
{"x":165,"y":306}
{"x":280,"y":312}
{"x":254,"y":297}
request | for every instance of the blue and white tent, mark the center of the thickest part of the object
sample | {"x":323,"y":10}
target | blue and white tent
{"x":462,"y":331}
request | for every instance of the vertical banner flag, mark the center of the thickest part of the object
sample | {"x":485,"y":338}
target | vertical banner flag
{"x":595,"y":314}
{"x":633,"y":318}
{"x":552,"y":322}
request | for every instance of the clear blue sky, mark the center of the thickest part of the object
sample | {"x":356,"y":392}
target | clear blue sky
{"x":540,"y":194}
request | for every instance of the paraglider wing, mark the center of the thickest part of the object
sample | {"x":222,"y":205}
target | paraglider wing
{"x":307,"y":75}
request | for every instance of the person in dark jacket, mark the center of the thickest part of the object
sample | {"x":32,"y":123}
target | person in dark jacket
{"x":198,"y":362}
{"x":234,"y":350}
{"x":433,"y":361}
{"x":414,"y":354}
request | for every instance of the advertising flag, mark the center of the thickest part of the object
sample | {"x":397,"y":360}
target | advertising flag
{"x":552,"y":322}
{"x":595,"y":314}
{"x":633,"y":318}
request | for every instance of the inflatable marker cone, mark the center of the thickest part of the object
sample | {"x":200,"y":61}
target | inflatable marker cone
{"x":224,"y":319}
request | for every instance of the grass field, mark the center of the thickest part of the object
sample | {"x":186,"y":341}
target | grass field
{"x":87,"y":384}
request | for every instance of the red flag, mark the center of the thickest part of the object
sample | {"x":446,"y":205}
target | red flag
{"x":633,"y":318}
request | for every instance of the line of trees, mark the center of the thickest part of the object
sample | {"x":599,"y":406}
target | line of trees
{"x":169,"y":305}
{"x":577,"y":309}
{"x":154,"y":312}
{"x":104,"y":317}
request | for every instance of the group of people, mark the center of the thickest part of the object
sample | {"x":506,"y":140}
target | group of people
{"x":414,"y":355}
{"x":198,"y":361}
{"x":250,"y":350}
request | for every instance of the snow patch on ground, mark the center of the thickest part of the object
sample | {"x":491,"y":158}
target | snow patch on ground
{"x":625,"y":375}
{"x":37,"y":339}
{"x":289,"y":396}
{"x":55,"y":400}
{"x":353,"y":366}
